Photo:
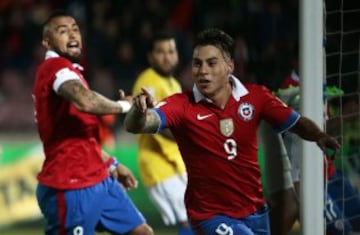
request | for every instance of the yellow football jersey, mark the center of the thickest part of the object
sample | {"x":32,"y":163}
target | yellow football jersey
{"x":159,"y":158}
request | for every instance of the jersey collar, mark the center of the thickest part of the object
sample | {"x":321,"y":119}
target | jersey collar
{"x":238,"y":91}
{"x":52,"y":54}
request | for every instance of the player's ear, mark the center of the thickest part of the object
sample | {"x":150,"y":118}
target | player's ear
{"x":230,"y":67}
{"x":45,"y":43}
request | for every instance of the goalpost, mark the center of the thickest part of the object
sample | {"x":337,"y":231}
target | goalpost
{"x":311,"y":70}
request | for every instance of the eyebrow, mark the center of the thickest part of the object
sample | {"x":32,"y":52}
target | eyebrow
{"x":60,"y":26}
{"x":208,"y":59}
{"x":64,"y":26}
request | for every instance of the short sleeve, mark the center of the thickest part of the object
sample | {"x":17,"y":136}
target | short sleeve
{"x":171,"y":111}
{"x":63,"y":75}
{"x":277,"y":113}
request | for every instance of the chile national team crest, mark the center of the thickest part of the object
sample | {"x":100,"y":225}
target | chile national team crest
{"x":246,"y":111}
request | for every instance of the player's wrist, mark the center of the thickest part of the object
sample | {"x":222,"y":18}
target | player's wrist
{"x":114,"y":163}
{"x":125,"y":105}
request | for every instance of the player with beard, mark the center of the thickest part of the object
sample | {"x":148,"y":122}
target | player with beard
{"x":78,"y":190}
{"x":162,"y":169}
{"x":215,"y":126}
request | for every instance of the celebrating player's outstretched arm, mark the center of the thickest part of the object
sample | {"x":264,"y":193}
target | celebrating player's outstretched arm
{"x":141,"y":118}
{"x":308,"y":130}
{"x":89,"y":101}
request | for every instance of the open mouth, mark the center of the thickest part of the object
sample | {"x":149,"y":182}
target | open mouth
{"x":73,"y":46}
{"x":204,"y":81}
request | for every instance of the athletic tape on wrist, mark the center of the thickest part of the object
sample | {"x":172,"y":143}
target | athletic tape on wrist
{"x":125,"y":105}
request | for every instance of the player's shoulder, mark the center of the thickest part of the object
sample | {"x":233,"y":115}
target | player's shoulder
{"x":53,"y":65}
{"x":147,"y":75}
{"x":60,"y":61}
{"x":56,"y":63}
{"x":147,"y":78}
{"x":256,"y":88}
{"x":181,"y":98}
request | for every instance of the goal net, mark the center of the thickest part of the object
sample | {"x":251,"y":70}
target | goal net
{"x":342,"y":47}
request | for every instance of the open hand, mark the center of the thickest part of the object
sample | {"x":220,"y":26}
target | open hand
{"x":329,"y":145}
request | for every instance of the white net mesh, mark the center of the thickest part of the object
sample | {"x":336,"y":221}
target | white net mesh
{"x":342,"y":47}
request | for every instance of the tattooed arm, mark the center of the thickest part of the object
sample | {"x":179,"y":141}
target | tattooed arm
{"x":141,"y":119}
{"x":89,"y":101}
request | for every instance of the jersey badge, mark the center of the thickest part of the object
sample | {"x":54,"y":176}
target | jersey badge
{"x":246,"y":111}
{"x":226,"y":127}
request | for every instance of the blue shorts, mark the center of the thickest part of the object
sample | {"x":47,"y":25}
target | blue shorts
{"x":254,"y":224}
{"x":346,"y":201}
{"x":102,"y":207}
{"x":336,"y":223}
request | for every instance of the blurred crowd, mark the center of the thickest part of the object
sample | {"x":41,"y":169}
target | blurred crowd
{"x":116,"y":33}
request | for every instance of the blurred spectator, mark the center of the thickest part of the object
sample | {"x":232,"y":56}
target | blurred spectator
{"x":117,"y":33}
{"x":16,"y":110}
{"x":124,"y":67}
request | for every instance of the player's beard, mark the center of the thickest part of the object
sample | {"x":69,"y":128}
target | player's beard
{"x":168,"y":73}
{"x":74,"y":59}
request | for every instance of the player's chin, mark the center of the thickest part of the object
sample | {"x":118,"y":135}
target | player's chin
{"x":75,"y":57}
{"x":205,"y":90}
{"x":203,"y":86}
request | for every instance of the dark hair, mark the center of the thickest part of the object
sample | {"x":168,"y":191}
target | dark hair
{"x":54,"y":14}
{"x":217,"y":38}
{"x":159,"y":36}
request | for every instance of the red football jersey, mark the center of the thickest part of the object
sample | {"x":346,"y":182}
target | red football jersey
{"x":219,"y":147}
{"x":70,"y":138}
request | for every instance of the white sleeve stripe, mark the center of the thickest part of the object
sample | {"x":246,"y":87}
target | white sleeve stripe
{"x":62,"y":76}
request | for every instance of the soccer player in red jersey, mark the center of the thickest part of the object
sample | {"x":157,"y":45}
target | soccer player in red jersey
{"x":215,"y":126}
{"x":76,"y":192}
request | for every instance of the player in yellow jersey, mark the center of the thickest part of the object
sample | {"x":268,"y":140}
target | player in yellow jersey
{"x":162,"y":170}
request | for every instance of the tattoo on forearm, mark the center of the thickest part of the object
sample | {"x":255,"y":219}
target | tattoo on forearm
{"x":152,"y":122}
{"x":71,"y":89}
{"x":93,"y":102}
{"x":138,"y":122}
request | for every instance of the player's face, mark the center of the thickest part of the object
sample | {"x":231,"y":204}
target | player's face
{"x":64,"y":37}
{"x":164,"y":57}
{"x":210,"y":70}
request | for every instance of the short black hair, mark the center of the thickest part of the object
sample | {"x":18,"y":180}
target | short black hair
{"x":54,"y":14}
{"x":217,"y":38}
{"x":159,"y":36}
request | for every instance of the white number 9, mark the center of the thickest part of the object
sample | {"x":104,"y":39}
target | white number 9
{"x":224,"y":229}
{"x":78,"y":230}
{"x":230,"y":148}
